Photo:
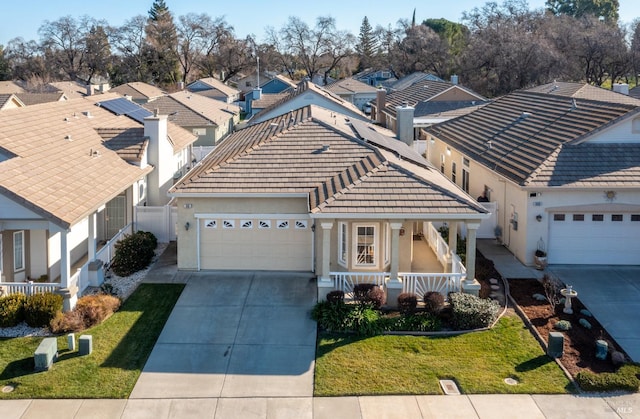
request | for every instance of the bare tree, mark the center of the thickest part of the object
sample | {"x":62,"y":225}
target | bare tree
{"x":129,"y":41}
{"x":98,"y":52}
{"x":26,"y":60}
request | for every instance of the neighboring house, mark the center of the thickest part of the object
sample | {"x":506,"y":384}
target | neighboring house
{"x":564,"y":172}
{"x":37,"y":98}
{"x":307,"y":93}
{"x":585,"y":91}
{"x":277,"y":84}
{"x":267,"y":94}
{"x":374,"y":77}
{"x":422,"y":104}
{"x":71,"y":173}
{"x":10,"y":87}
{"x":354,"y":91}
{"x":74,"y":89}
{"x":209,"y":119}
{"x":317,"y":191}
{"x":246,"y":83}
{"x":214,"y":89}
{"x":409,"y":80}
{"x":138,"y":92}
{"x":10,"y":101}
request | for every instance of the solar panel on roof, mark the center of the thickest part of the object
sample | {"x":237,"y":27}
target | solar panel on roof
{"x":122,"y":106}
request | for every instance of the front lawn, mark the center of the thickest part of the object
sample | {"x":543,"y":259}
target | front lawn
{"x":478,"y":362}
{"x":121,"y":346}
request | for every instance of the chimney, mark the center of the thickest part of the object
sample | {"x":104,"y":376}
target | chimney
{"x":454,"y":79}
{"x":159,"y":155}
{"x":90,"y":91}
{"x":404,"y":123}
{"x":381,"y":100}
{"x":104,"y":87}
{"x":622,"y":88}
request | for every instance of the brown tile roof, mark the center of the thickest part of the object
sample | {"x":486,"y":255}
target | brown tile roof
{"x":584,"y":91}
{"x":350,"y":86}
{"x":220,"y":86}
{"x":268,"y":99}
{"x":62,"y":169}
{"x":517,"y":133}
{"x":312,"y":152}
{"x":427,"y":91}
{"x":6,"y":98}
{"x":10,"y":87}
{"x":71,"y":89}
{"x":129,"y":143}
{"x":138,"y":91}
{"x":217,"y":112}
{"x":36,"y":98}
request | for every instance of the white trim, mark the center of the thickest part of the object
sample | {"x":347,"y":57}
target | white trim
{"x":375,"y":245}
{"x":244,"y":216}
{"x":386,"y":243}
{"x":343,"y":250}
{"x":424,"y":217}
{"x":22,"y":251}
{"x":1,"y":257}
{"x":238,"y":195}
{"x":198,"y":242}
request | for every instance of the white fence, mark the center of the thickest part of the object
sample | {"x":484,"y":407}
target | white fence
{"x":437,"y":244}
{"x":345,"y":281}
{"x":27,"y":288}
{"x":420,"y":283}
{"x":161,"y":221}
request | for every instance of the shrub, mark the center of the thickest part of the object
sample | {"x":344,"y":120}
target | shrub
{"x":331,"y":316}
{"x":433,"y":302}
{"x":407,"y":303}
{"x":133,"y":253}
{"x":335,"y":296}
{"x":12,"y":310}
{"x":624,"y":379}
{"x":552,"y":287}
{"x":71,"y":321}
{"x":40,"y":309}
{"x":562,"y":325}
{"x":363,"y":320}
{"x":471,"y":312}
{"x":108,"y":289}
{"x":369,"y":295}
{"x":95,"y":308}
{"x":418,"y":323}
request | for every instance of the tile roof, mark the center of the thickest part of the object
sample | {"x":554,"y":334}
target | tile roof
{"x":35,"y":98}
{"x":283,"y":79}
{"x":219,"y":85}
{"x":448,"y":109}
{"x":517,"y":133}
{"x":213,"y":110}
{"x":71,"y":89}
{"x":138,"y":90}
{"x":313,"y":152}
{"x":428,"y":91}
{"x":61,"y":168}
{"x":129,"y":143}
{"x":584,"y":91}
{"x":350,"y":86}
{"x":268,"y":99}
{"x":10,"y":87}
{"x":5,"y":98}
{"x":409,"y":80}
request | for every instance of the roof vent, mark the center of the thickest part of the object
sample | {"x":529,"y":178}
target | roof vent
{"x":88,"y":114}
{"x":66,"y":119}
{"x":67,"y":137}
{"x":524,"y":115}
{"x":574,"y":104}
{"x":326,"y":147}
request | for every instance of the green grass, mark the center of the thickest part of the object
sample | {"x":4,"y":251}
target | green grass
{"x":121,"y":346}
{"x":478,"y":362}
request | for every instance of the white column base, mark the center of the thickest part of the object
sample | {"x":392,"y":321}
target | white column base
{"x":394,"y":289}
{"x":471,"y":287}
{"x":325,"y":286}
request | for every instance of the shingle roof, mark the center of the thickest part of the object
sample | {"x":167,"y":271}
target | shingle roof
{"x":584,"y":91}
{"x":517,"y":133}
{"x":316,"y":153}
{"x":61,"y":169}
{"x":36,"y":98}
{"x":138,"y":91}
{"x":350,"y":86}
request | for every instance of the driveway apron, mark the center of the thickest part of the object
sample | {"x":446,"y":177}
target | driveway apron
{"x":612,"y":295}
{"x":234,"y":335}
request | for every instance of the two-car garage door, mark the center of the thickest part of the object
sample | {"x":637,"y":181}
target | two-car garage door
{"x":596,"y":239}
{"x":283,"y":243}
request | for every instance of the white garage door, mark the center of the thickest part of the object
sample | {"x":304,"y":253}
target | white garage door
{"x":594,"y":239}
{"x":282,"y":244}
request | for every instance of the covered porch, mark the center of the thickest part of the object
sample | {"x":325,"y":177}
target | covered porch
{"x":419,"y":260}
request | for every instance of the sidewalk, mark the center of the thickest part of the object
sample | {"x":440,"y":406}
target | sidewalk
{"x":483,"y":406}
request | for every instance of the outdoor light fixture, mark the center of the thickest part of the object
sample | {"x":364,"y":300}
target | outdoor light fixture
{"x":538,"y":218}
{"x":187,"y":225}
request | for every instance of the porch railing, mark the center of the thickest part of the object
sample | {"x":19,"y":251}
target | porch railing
{"x":437,"y":244}
{"x":345,"y":281}
{"x":108,"y":251}
{"x":27,"y":288}
{"x":420,"y":283}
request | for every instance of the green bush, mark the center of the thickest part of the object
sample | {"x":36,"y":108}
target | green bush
{"x":470,"y":312}
{"x":331,"y":316}
{"x":562,"y":325}
{"x":133,"y":253}
{"x":626,"y":379}
{"x":433,"y":302}
{"x":12,"y":310}
{"x":363,"y":320}
{"x":418,"y":323}
{"x":407,"y":303}
{"x":40,"y":309}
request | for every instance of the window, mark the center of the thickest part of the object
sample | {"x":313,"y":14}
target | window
{"x":634,"y":217}
{"x":365,"y":246}
{"x":465,"y":180}
{"x":465,"y":162}
{"x":199,"y":131}
{"x":301,"y":224}
{"x":342,"y":243}
{"x":0,"y":255}
{"x":264,"y":224}
{"x":210,"y":224}
{"x":229,"y":224}
{"x":18,"y":251}
{"x":453,"y":172}
{"x":597,"y":217}
{"x":616,"y":217}
{"x":578,"y":217}
{"x":441,"y":163}
{"x":558,"y":217}
{"x":283,"y":224}
{"x":246,"y":224}
{"x":387,"y":243}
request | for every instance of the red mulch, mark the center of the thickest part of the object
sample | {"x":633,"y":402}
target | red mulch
{"x":579,"y":342}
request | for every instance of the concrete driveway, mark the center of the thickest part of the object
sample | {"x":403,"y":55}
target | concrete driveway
{"x":235,"y":335}
{"x":612,"y":294}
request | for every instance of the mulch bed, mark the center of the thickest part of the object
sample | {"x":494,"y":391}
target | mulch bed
{"x":579,"y":342}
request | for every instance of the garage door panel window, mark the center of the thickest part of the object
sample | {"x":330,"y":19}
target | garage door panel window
{"x":264,"y":224}
{"x":635,"y":217}
{"x":246,"y":224}
{"x":558,"y":217}
{"x":597,"y":217}
{"x":365,"y":246}
{"x":578,"y":217}
{"x":282,"y":224}
{"x":301,"y":224}
{"x":229,"y":223}
{"x":617,"y":217}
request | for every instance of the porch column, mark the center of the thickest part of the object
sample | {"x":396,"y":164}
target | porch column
{"x":325,"y":284}
{"x":68,"y":291}
{"x":394,"y":285}
{"x":95,"y":269}
{"x":453,"y":244}
{"x":470,"y":285}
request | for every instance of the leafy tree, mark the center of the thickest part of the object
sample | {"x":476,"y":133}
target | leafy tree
{"x":455,"y":34}
{"x":98,"y":52}
{"x":607,"y":9}
{"x":635,"y":49}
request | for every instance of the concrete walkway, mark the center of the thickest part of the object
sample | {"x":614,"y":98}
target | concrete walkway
{"x":173,"y":387}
